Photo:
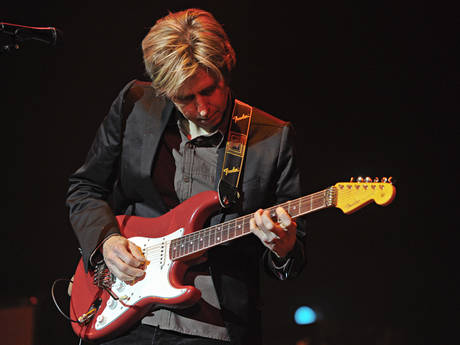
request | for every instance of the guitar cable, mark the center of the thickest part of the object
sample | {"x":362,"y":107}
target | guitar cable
{"x":55,"y":302}
{"x":57,"y":305}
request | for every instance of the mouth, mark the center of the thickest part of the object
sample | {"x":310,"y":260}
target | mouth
{"x":211,"y":121}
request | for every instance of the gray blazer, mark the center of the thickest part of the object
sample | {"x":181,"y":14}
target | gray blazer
{"x":116,"y":179}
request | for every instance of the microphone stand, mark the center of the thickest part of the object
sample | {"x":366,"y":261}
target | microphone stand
{"x":11,"y":40}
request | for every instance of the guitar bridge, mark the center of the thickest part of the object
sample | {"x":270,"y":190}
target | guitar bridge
{"x":102,"y":276}
{"x":104,"y":279}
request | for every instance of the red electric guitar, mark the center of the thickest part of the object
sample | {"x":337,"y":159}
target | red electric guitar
{"x":105,"y":306}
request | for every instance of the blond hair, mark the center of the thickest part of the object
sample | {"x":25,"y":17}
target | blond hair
{"x":180,"y":43}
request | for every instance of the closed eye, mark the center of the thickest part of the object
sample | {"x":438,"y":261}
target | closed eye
{"x":209,"y":90}
{"x":185,"y":99}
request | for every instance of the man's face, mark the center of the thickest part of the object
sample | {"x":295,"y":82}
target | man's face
{"x":202,"y":99}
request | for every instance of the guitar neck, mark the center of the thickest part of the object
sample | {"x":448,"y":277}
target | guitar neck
{"x":217,"y":234}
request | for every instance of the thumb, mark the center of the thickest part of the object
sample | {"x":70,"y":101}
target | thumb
{"x":136,"y":251}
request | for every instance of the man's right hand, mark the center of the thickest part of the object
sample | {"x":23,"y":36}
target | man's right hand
{"x":123,"y":258}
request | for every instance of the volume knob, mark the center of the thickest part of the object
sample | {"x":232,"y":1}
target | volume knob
{"x":100,"y":319}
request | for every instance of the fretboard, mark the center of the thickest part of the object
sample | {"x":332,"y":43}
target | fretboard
{"x":217,"y":234}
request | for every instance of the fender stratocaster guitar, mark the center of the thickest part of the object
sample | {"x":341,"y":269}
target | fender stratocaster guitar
{"x":106,"y":306}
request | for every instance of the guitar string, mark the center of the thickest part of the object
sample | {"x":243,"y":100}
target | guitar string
{"x":205,"y":234}
{"x":231,"y":225}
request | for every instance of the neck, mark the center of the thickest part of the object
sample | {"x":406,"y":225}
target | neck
{"x":217,"y":234}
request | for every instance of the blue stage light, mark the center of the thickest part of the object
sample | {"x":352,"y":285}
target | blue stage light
{"x":304,"y":316}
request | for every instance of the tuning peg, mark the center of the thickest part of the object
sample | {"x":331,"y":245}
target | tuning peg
{"x":368,"y":179}
{"x":359,"y":179}
{"x":384,"y":180}
{"x":389,"y":179}
{"x":351,"y":179}
{"x":376,"y":179}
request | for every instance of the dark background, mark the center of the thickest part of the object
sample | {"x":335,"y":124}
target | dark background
{"x":372,"y":89}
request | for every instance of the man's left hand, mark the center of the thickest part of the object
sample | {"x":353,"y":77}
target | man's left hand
{"x":279,"y":236}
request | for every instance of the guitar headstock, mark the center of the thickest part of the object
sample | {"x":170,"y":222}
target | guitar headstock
{"x":351,"y":196}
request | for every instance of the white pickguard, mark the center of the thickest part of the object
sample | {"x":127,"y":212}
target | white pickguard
{"x":155,"y":283}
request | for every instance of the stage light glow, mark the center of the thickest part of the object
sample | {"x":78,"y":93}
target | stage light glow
{"x":304,"y":315}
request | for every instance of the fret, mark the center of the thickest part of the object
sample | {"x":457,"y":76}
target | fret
{"x":187,"y":245}
{"x":236,"y":225}
{"x":288,"y":208}
{"x":316,"y":204}
{"x":302,"y":208}
{"x":206,"y":239}
{"x":190,"y":244}
{"x":173,"y":249}
{"x":200,"y":240}
{"x":306,"y":204}
{"x":231,"y":232}
{"x":239,"y":231}
{"x":195,"y":242}
{"x":231,"y":229}
{"x":182,"y":247}
{"x":218,"y":234}
{"x":293,"y":208}
{"x":212,"y":236}
{"x":247,"y":224}
{"x":225,"y":227}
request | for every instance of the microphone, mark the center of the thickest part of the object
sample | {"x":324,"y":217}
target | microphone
{"x":21,"y":33}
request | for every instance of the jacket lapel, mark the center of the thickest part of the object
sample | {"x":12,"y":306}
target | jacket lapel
{"x":155,"y":123}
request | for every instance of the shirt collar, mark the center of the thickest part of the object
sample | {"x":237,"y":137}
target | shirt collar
{"x":192,"y":131}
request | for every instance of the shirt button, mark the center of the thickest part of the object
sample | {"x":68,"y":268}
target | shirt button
{"x":186,"y":179}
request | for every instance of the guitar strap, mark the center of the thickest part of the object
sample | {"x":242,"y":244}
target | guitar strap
{"x":235,"y":150}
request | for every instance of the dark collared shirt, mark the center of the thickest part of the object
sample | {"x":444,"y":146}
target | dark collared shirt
{"x":191,"y":163}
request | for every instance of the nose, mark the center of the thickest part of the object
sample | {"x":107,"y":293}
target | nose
{"x":201,"y":106}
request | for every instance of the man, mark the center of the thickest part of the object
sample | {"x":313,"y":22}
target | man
{"x":162,"y":143}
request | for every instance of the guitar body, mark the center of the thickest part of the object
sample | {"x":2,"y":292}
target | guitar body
{"x":161,"y":285}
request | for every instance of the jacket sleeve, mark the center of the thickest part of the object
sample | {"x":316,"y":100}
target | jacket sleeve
{"x":288,"y":187}
{"x":90,"y":214}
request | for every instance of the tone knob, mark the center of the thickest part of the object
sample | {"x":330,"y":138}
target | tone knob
{"x":120,"y":286}
{"x":111,"y":303}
